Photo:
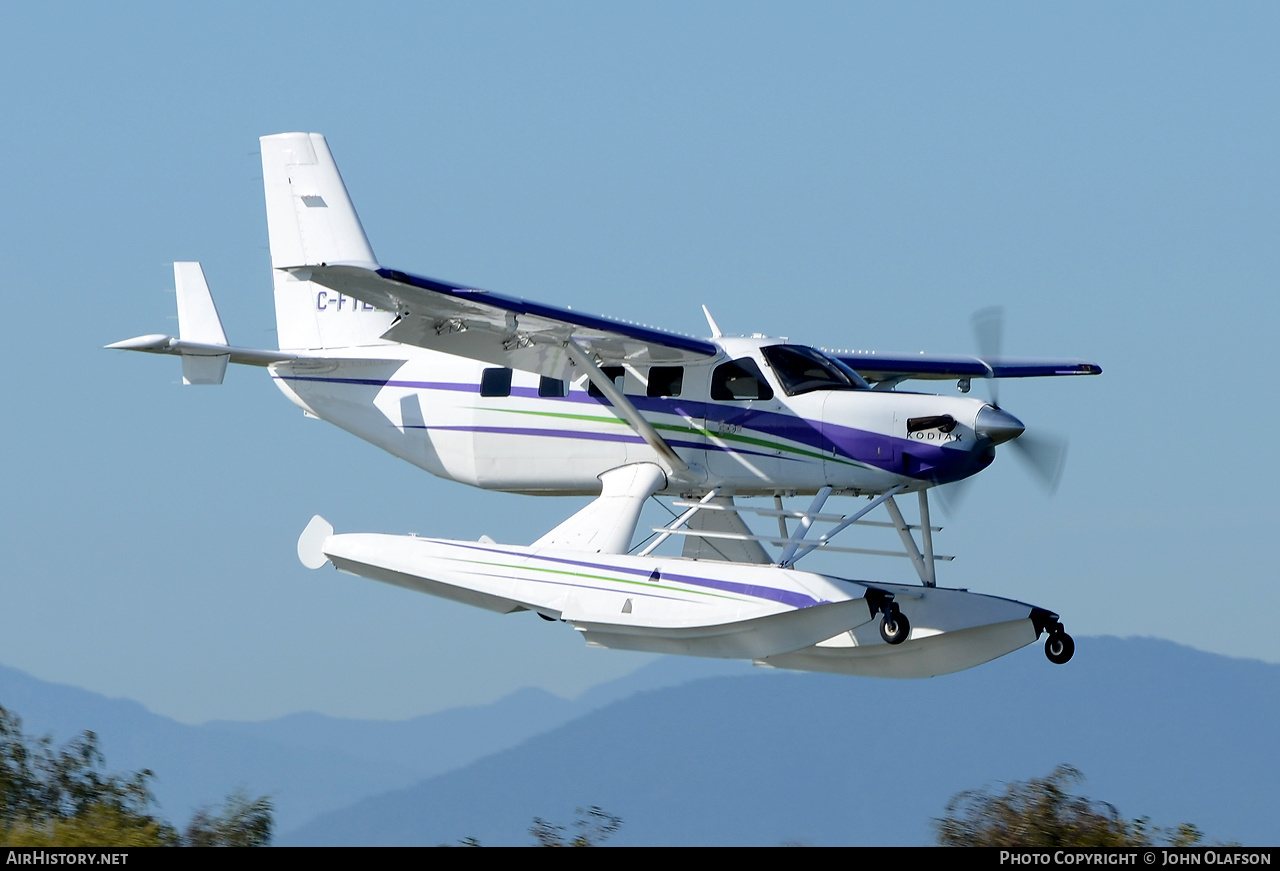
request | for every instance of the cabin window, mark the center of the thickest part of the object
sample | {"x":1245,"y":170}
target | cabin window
{"x":495,"y":382}
{"x":552,"y":387}
{"x":613,"y":373}
{"x":740,"y":379}
{"x":665,"y":380}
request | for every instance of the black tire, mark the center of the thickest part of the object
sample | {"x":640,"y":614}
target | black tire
{"x":1059,"y":648}
{"x":894,"y":628}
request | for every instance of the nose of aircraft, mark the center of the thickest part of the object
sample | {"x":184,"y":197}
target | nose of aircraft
{"x":997,"y":426}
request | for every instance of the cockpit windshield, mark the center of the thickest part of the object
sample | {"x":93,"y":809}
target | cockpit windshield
{"x":801,"y":369}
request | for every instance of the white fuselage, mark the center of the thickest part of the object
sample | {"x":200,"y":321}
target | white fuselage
{"x":444,"y":414}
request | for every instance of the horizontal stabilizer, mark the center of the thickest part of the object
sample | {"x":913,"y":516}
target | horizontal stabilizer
{"x":201,"y":340}
{"x":158,"y":343}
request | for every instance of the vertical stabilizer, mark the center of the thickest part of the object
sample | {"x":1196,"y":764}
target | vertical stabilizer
{"x":198,"y":321}
{"x":310,"y":221}
{"x":309,"y":215}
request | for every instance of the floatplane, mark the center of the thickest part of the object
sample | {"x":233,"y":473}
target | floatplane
{"x":508,"y":394}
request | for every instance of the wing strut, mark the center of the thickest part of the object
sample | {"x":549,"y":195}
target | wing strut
{"x":926,"y":538}
{"x":924,"y":564}
{"x":677,"y":467}
{"x":802,"y":529}
{"x":849,"y":521}
{"x":680,"y":521}
{"x":797,"y":544}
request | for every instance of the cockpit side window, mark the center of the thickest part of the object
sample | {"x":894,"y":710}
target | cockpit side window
{"x":800,"y":370}
{"x":739,"y":379}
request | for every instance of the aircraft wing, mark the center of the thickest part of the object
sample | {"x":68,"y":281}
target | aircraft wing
{"x":875,"y":366}
{"x":502,"y":330}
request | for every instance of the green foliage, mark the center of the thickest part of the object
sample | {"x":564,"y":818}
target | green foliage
{"x":241,"y":822}
{"x":1041,"y":813}
{"x":62,"y":798}
{"x":94,"y":826}
{"x":592,"y":826}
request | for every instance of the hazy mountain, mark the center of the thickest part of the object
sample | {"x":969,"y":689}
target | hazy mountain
{"x":758,"y":757}
{"x":308,"y":763}
{"x":1159,"y":729}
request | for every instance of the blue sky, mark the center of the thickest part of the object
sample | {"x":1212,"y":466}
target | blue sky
{"x":846,"y":175}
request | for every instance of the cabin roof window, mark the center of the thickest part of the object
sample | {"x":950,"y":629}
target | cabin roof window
{"x":801,"y":369}
{"x":739,"y":379}
{"x":495,"y":382}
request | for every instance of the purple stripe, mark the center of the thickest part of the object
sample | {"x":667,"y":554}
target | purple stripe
{"x":772,"y":594}
{"x":386,"y":382}
{"x":591,"y":436}
{"x":769,"y":423}
{"x":898,"y":456}
{"x":555,"y":583}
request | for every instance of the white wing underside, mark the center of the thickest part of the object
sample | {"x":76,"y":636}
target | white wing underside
{"x":503,"y":331}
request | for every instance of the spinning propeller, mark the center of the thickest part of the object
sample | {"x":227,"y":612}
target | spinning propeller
{"x":1043,"y":454}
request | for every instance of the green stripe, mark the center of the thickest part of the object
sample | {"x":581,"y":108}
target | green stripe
{"x":688,"y":430}
{"x":668,"y":587}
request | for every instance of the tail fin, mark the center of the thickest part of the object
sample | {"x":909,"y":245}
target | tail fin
{"x":198,"y":319}
{"x":310,"y":220}
{"x":201,"y":341}
{"x":198,"y":322}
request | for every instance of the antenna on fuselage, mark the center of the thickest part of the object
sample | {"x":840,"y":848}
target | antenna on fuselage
{"x":711,"y":322}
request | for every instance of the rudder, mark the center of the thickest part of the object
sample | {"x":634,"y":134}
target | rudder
{"x":311,"y":220}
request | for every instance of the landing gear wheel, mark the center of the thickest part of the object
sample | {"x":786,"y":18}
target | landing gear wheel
{"x":1059,"y":648}
{"x":894,"y":627}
